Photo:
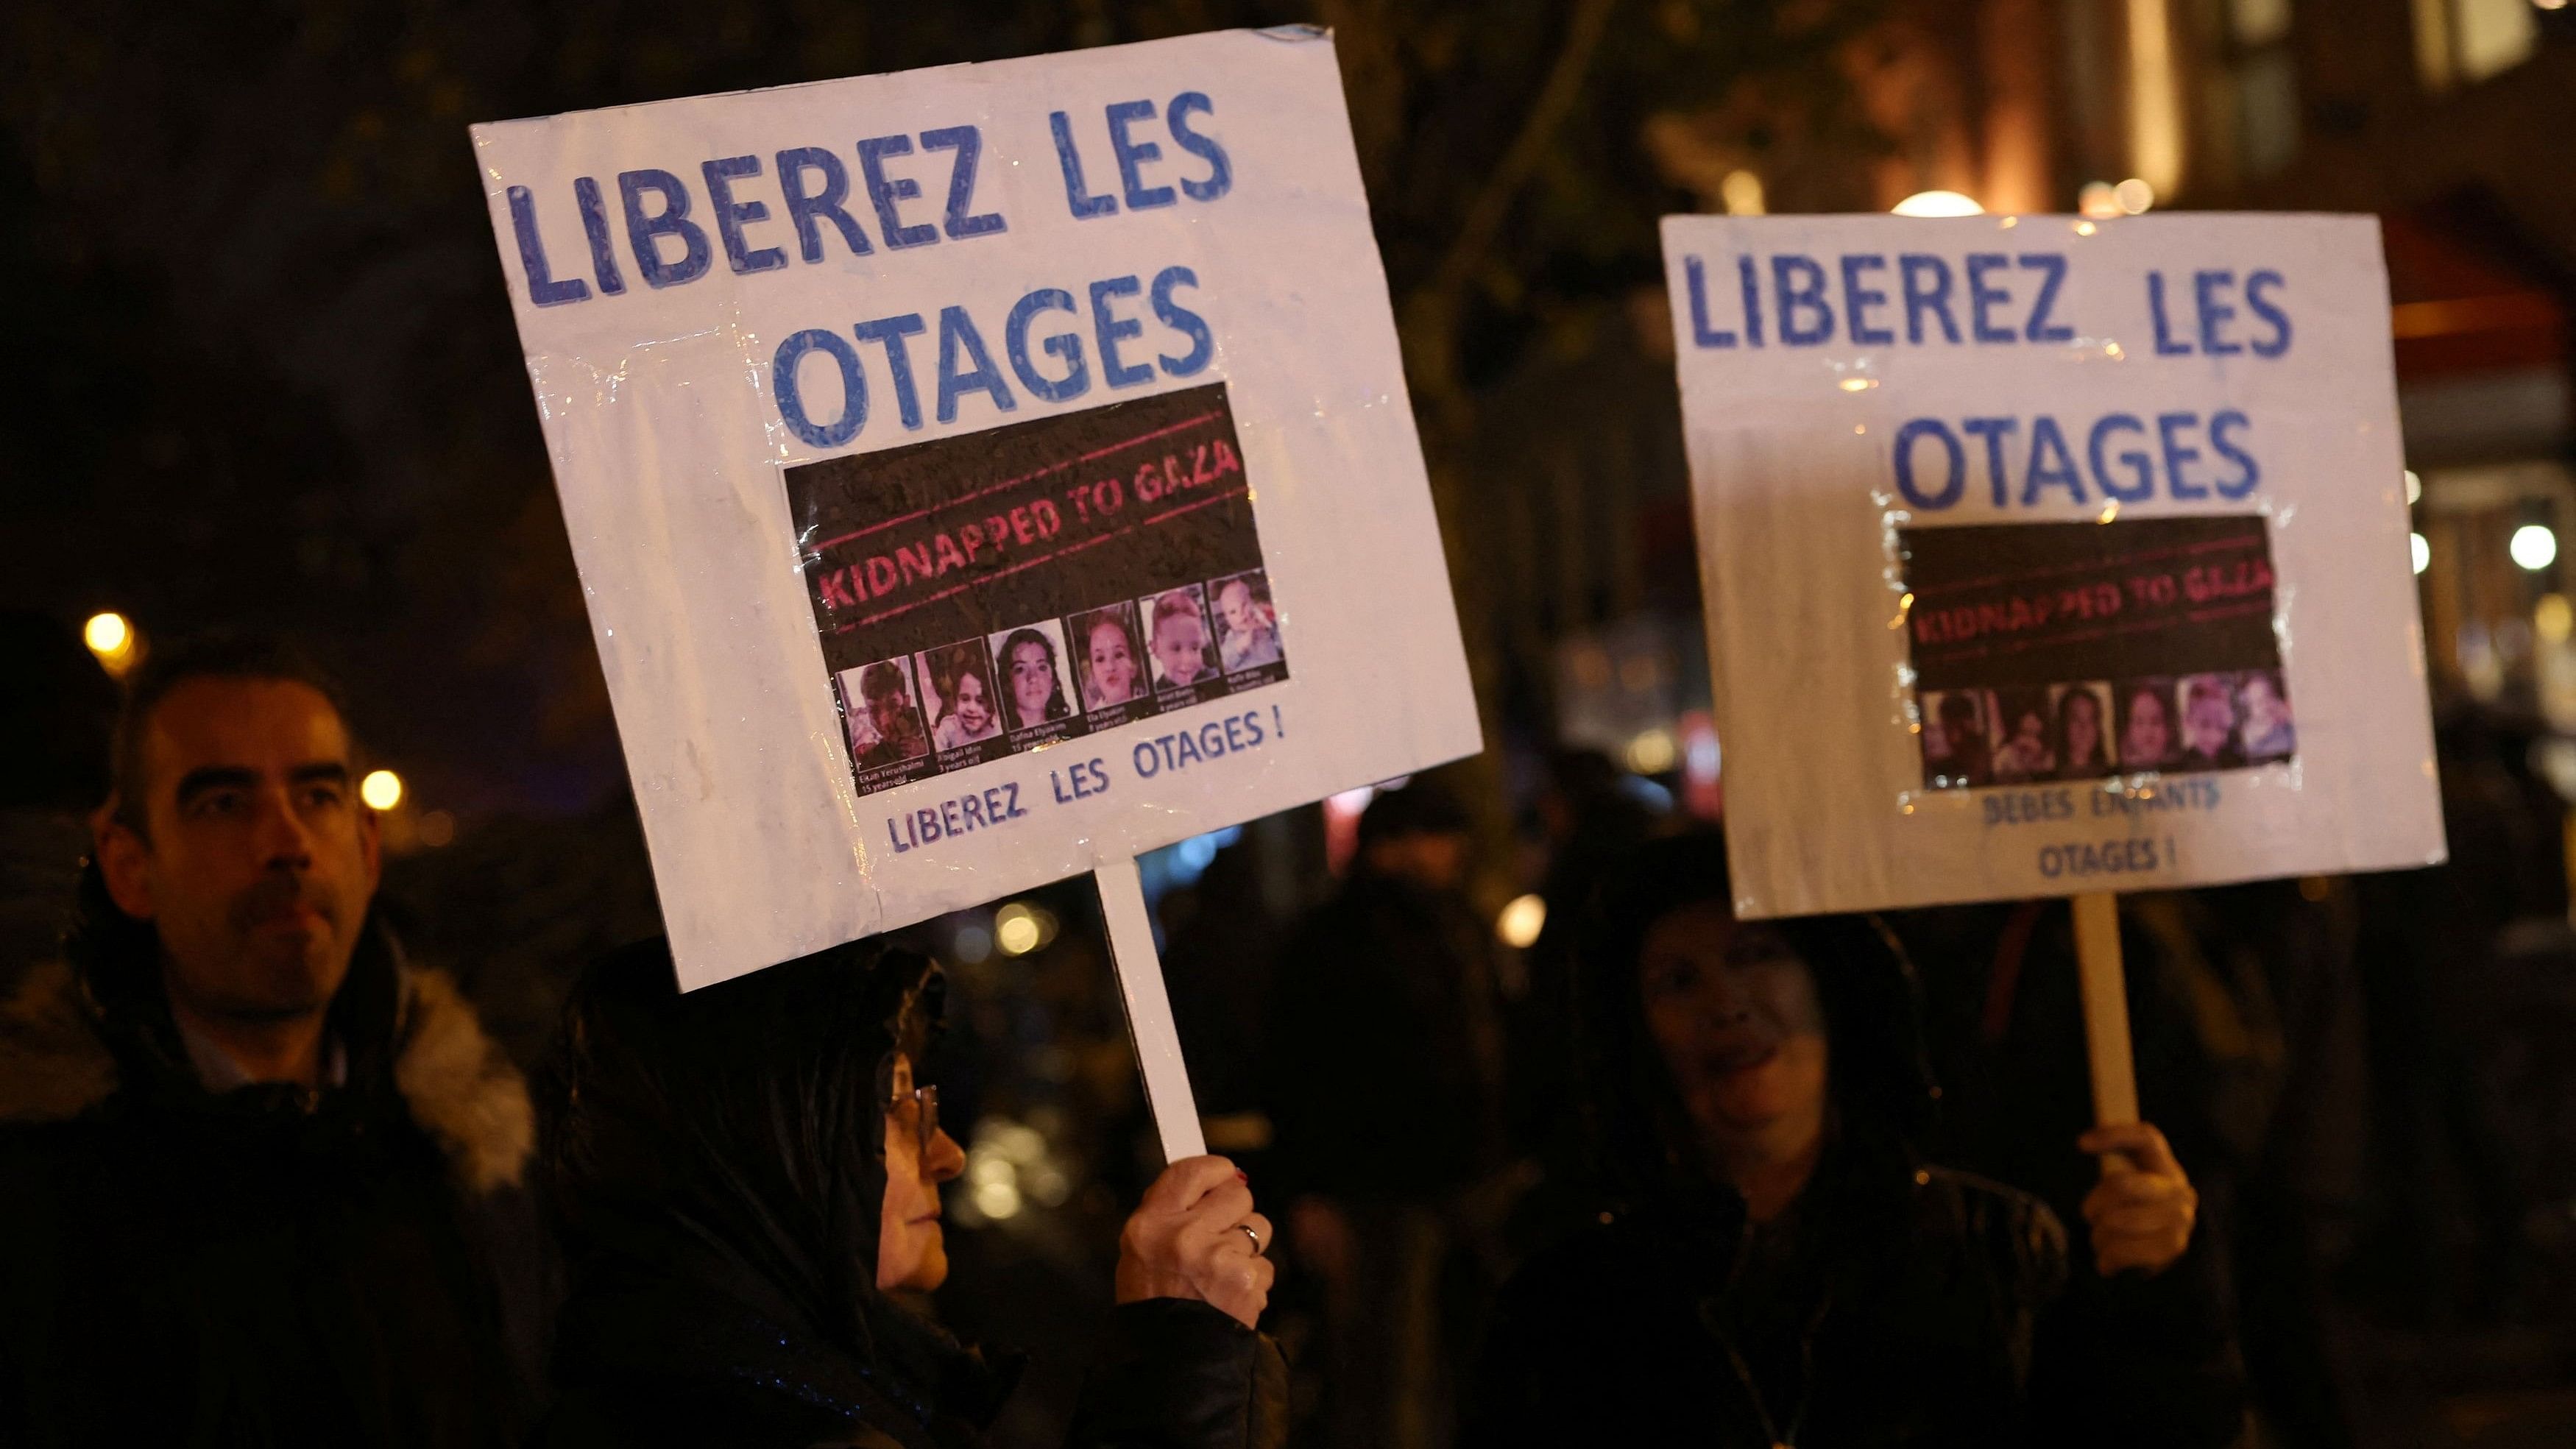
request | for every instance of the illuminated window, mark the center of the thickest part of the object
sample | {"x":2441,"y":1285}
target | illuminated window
{"x":2263,"y":79}
{"x":2462,"y":41}
{"x":2267,"y":110}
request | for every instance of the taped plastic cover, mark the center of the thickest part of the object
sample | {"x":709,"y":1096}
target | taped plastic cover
{"x":979,"y":473}
{"x":2044,"y":555}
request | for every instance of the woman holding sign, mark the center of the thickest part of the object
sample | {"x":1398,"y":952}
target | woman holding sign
{"x":749,"y":1184}
{"x":1780,"y":1267}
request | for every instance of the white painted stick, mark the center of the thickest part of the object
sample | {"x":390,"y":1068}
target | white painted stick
{"x":2106,"y":1009}
{"x":1149,"y":1010}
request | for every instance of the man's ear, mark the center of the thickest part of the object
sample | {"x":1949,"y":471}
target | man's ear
{"x":123,"y":860}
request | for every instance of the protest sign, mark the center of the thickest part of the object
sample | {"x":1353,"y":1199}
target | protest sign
{"x":978,"y":475}
{"x":2045,"y":556}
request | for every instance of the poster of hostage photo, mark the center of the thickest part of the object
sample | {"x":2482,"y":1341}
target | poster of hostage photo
{"x":977,"y":475}
{"x":2045,"y":555}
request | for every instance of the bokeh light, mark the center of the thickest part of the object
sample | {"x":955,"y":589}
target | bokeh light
{"x":1653,"y":752}
{"x":1521,"y":921}
{"x":382,"y":789}
{"x":1938,"y":203}
{"x":111,"y":639}
{"x":2534,"y":546}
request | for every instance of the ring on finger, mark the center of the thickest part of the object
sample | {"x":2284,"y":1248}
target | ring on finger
{"x":1253,"y":1235}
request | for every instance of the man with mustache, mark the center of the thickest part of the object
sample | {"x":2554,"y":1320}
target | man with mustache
{"x":260,"y":1178}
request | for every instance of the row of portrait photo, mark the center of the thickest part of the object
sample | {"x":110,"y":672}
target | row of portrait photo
{"x":977,"y":699}
{"x":2088,"y":729}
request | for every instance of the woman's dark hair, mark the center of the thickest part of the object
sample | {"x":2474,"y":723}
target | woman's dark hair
{"x":2158,"y":692}
{"x":1880,"y":1078}
{"x":1056,"y":708}
{"x":749,"y":1114}
{"x":2098,"y":757}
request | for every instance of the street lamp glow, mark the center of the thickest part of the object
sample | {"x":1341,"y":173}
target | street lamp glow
{"x":1938,"y":203}
{"x":1653,"y":752}
{"x":107,"y":634}
{"x":382,"y":789}
{"x":1521,"y":921}
{"x":2422,"y":549}
{"x":112,"y":641}
{"x":2534,"y":546}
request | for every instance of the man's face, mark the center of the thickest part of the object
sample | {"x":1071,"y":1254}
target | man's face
{"x":1180,"y":645}
{"x":260,"y":861}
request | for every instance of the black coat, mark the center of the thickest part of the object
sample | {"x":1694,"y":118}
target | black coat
{"x":718,"y":1159}
{"x":252,"y":1268}
{"x":680,"y":1364}
{"x":1896,"y":1305}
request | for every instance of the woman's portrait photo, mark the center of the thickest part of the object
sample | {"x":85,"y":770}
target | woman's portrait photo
{"x":1029,"y":662}
{"x":1108,"y":656}
{"x":958,"y":685}
{"x":2146,"y":724}
{"x":2082,"y":731}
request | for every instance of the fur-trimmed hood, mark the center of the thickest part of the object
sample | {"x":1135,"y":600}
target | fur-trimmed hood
{"x":459,"y":1087}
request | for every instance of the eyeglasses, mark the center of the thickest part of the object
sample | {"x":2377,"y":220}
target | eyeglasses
{"x":924,"y":1102}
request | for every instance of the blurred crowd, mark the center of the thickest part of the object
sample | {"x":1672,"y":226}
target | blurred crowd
{"x":456,"y":1164}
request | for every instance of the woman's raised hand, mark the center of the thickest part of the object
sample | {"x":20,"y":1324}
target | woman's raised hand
{"x":2142,"y":1211}
{"x":1188,"y":1240}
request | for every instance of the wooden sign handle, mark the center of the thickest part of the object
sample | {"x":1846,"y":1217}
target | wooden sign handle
{"x":1149,"y":1010}
{"x":2106,"y":1010}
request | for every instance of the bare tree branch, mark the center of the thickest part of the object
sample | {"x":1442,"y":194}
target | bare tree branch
{"x":1432,"y":311}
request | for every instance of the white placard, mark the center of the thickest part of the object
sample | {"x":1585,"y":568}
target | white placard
{"x":876,"y":404}
{"x":2046,"y":556}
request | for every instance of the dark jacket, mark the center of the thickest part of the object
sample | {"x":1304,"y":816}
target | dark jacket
{"x":718,"y":1158}
{"x":1895,"y":1303}
{"x":1892,"y":1307}
{"x":253,"y":1268}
